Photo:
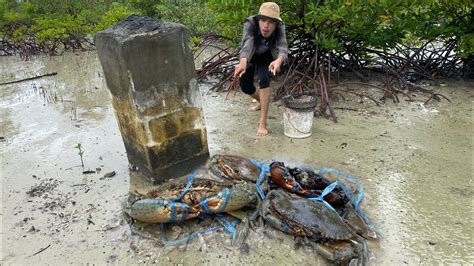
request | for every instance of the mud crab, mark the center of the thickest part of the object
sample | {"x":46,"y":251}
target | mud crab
{"x":303,"y":217}
{"x":223,"y":185}
{"x":299,"y":216}
{"x":307,"y":183}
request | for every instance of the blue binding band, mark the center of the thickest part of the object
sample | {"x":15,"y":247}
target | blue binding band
{"x":360,"y":188}
{"x":226,"y":192}
{"x":184,"y":210}
{"x":205,"y":203}
{"x":229,"y":227}
{"x":264,"y":168}
{"x":326,"y":191}
{"x":286,"y":228}
{"x":360,"y":194}
{"x":173,"y":212}
{"x":188,"y":185}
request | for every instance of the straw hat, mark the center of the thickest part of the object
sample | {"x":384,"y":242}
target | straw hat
{"x":270,"y":10}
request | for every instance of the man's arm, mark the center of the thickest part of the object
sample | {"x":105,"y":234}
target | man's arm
{"x":246,"y":50}
{"x":248,"y":36}
{"x":282,"y":49}
{"x":241,"y":67}
{"x":274,"y":66}
{"x":281,"y":43}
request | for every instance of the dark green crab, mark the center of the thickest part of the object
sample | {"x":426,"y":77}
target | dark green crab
{"x":295,"y":215}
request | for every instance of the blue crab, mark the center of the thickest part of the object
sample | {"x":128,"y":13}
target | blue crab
{"x":225,"y":184}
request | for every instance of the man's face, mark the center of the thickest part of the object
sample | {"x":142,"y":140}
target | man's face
{"x":267,"y":26}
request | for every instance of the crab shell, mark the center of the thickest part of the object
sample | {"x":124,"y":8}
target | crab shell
{"x":303,"y":217}
{"x":200,"y":188}
{"x":234,"y":168}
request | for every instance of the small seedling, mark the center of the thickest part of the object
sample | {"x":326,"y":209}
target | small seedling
{"x":81,"y":152}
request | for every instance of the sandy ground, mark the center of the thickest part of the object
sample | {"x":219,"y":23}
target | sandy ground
{"x":415,"y":162}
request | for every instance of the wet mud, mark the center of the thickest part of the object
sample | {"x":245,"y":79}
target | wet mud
{"x":60,"y":206}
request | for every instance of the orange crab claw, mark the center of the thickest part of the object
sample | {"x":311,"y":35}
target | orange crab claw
{"x":277,"y":172}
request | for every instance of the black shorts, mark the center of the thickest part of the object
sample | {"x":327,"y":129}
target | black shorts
{"x":260,"y":64}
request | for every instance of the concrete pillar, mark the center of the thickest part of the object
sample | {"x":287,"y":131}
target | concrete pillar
{"x":149,"y":70}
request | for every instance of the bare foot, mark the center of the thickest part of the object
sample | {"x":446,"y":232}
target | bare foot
{"x":254,"y":108}
{"x":262,"y":131}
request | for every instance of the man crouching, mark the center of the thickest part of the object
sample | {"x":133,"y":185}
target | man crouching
{"x":264,"y":49}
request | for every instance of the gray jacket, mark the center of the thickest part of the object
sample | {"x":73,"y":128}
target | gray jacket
{"x":251,"y":31}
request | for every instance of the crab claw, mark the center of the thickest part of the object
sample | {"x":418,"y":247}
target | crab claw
{"x":230,"y":199}
{"x":352,"y":252}
{"x":282,"y":177}
{"x":278,"y":172}
{"x":159,"y":211}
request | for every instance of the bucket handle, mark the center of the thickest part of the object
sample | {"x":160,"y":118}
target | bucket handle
{"x":289,"y":121}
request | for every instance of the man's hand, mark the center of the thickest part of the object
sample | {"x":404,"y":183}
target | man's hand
{"x":274,"y":66}
{"x":240,"y":68}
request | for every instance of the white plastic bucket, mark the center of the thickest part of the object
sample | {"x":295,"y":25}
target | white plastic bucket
{"x":297,"y":124}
